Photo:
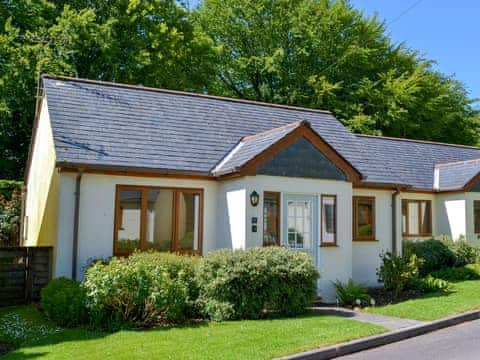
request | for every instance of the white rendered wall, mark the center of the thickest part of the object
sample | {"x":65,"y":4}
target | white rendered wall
{"x":97,"y":214}
{"x":451,"y":215}
{"x":470,"y":230}
{"x":366,"y":254}
{"x":333,"y":262}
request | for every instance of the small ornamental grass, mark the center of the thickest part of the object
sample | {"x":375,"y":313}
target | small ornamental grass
{"x":142,"y":290}
{"x":255,"y":283}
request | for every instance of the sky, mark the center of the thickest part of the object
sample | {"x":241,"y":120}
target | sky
{"x":442,"y":30}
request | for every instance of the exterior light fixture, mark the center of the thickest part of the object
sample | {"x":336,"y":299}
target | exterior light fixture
{"x":254,"y":198}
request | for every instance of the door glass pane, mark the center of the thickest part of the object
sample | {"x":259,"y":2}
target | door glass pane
{"x":271,"y":214}
{"x":188,"y":220}
{"x":128,"y":236}
{"x":159,"y":220}
{"x":299,"y":224}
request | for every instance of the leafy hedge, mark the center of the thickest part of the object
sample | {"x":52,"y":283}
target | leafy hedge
{"x":439,"y":254}
{"x":255,"y":283}
{"x":141,"y":290}
{"x":63,"y":301}
{"x":10,"y":207}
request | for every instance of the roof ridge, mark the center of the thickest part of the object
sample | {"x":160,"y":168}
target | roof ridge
{"x":184,"y":93}
{"x":418,"y":141}
{"x":293,"y":125}
{"x":462,"y":162}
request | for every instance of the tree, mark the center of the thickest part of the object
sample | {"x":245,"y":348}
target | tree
{"x":326,"y":54}
{"x":139,"y":42}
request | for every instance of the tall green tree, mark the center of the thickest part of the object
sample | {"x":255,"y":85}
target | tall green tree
{"x":326,"y":54}
{"x":141,"y":42}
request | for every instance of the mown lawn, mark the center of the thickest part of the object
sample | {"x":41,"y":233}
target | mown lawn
{"x":261,"y":339}
{"x":463,"y":296}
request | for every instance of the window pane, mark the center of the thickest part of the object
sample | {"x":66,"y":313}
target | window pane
{"x":328,"y":219}
{"x":188,"y":220}
{"x":159,"y":220}
{"x":404,"y":216}
{"x":476,"y":216}
{"x":128,"y":236}
{"x":365,"y":215}
{"x":425,"y":217}
{"x":413,"y":218}
{"x":271,"y":215}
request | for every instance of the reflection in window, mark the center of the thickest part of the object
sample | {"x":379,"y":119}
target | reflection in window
{"x":271,"y":218}
{"x":329,"y":221}
{"x":188,"y":221}
{"x":417,"y":217}
{"x":476,"y":216}
{"x":160,"y":220}
{"x":130,"y":216}
{"x":364,"y":218}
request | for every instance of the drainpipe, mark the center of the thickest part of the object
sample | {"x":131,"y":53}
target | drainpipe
{"x":75,"y":224}
{"x":394,"y":220}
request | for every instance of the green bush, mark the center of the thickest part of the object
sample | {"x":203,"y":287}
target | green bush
{"x":351,"y":294}
{"x":10,"y":206}
{"x":468,"y":272}
{"x":428,"y":284}
{"x":442,"y":253}
{"x":142,"y":290}
{"x":255,"y":283}
{"x":63,"y":301}
{"x":397,"y":271}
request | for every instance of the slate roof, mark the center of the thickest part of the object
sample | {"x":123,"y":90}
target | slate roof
{"x":102,"y":124}
{"x":404,"y":161}
{"x":456,"y":175}
{"x":251,"y":146}
{"x":132,"y":127}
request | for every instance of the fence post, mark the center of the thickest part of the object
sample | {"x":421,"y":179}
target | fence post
{"x":29,"y":275}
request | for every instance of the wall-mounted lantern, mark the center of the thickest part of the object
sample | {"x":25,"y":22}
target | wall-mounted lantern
{"x":254,"y":198}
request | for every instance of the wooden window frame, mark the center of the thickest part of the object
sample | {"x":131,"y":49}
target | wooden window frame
{"x":476,"y":222}
{"x":356,"y":235}
{"x":430,"y":215}
{"x":335,"y":222}
{"x":144,"y":189}
{"x":279,"y":202}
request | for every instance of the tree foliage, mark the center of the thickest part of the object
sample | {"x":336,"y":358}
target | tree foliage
{"x":315,"y":53}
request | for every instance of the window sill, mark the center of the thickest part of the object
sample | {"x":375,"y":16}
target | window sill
{"x":366,"y":240}
{"x":329,"y":246}
{"x":416,"y":235}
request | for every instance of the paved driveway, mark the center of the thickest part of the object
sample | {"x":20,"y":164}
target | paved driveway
{"x":461,"y":342}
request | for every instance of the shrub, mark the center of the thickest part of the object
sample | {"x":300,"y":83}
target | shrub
{"x":468,"y":272}
{"x":397,"y":271}
{"x":442,"y":253}
{"x":349,"y":294}
{"x":254,"y":283}
{"x":428,"y":284}
{"x":63,"y":301}
{"x":435,"y":253}
{"x":10,"y":205}
{"x":142,"y":290}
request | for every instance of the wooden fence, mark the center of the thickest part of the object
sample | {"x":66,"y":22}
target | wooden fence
{"x":23,"y":273}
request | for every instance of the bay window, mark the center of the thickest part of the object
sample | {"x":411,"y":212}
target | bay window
{"x":162,"y":219}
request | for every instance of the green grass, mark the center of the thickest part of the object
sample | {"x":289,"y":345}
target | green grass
{"x":462,"y":296}
{"x":260,"y":339}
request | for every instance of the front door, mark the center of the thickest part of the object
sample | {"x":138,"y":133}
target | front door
{"x":300,"y":220}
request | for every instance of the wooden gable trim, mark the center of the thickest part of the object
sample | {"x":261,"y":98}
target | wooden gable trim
{"x":471,"y":183}
{"x":251,"y":167}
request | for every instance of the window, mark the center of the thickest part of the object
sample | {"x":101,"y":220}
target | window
{"x":476,"y":216}
{"x":363,"y":218}
{"x":329,"y":220}
{"x":161,"y":219}
{"x":271,"y":218}
{"x":417,"y":217}
{"x":299,"y":224}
